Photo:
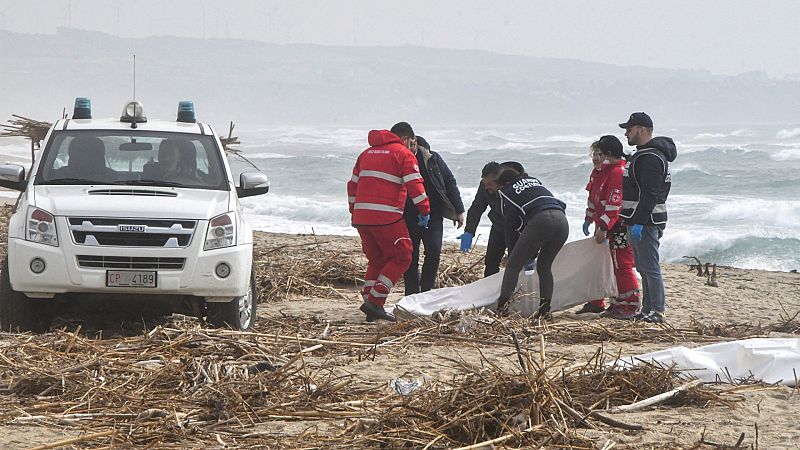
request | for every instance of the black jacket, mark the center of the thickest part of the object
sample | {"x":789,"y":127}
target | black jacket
{"x":646,"y":183}
{"x":440,"y":185}
{"x":484,"y":199}
{"x":522,"y":199}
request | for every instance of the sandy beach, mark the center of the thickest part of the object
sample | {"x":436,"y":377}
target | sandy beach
{"x":745,"y":303}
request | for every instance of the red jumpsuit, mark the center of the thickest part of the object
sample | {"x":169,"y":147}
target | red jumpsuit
{"x":383,"y":176}
{"x":605,"y":201}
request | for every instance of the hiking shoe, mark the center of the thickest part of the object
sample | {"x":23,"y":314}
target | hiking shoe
{"x":620,"y":314}
{"x":641,"y":316}
{"x":590,"y":308}
{"x":654,"y":317}
{"x":375,"y":312}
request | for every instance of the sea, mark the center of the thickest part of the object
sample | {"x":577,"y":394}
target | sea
{"x":735,"y":196}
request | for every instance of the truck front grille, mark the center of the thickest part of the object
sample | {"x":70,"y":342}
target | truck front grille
{"x":97,"y":231}
{"x":127,"y":262}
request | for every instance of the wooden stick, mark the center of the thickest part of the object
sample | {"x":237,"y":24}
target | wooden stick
{"x":83,"y":438}
{"x":654,"y":400}
{"x":490,"y":443}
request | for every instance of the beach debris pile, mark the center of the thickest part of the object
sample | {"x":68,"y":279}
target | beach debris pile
{"x":21,"y":126}
{"x":179,"y":384}
{"x":311,"y":266}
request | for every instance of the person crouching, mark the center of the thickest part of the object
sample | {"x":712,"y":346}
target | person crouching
{"x":535,"y":228}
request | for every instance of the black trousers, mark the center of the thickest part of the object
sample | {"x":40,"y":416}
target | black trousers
{"x":542,"y":238}
{"x":431,"y":238}
{"x":495,"y":250}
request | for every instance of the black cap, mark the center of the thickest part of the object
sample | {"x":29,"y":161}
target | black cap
{"x":610,"y":145}
{"x":638,"y":119}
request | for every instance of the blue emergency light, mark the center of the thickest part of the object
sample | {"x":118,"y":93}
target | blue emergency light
{"x":186,"y":111}
{"x":83,"y":108}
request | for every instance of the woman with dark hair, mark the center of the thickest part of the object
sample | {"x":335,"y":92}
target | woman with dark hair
{"x":535,"y":227}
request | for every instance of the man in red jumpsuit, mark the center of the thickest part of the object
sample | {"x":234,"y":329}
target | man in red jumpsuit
{"x":383,"y":176}
{"x":605,"y":202}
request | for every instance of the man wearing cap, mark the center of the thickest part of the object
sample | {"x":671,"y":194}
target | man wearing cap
{"x":645,"y":186}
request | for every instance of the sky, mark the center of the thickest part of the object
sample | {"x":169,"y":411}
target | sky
{"x":725,"y":37}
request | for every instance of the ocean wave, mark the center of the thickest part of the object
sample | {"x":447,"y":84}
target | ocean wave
{"x":704,"y":136}
{"x":268,"y":155}
{"x":789,"y":154}
{"x":788,"y":134}
{"x":784,"y":214}
{"x":744,"y":250}
{"x":571,"y":138}
{"x":687,"y":167}
{"x":330,"y":211}
{"x":743,"y":132}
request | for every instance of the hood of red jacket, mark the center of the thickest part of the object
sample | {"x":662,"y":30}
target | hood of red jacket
{"x":383,"y":137}
{"x":606,"y":166}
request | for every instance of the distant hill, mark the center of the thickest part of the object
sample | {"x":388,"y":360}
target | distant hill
{"x":257,"y":84}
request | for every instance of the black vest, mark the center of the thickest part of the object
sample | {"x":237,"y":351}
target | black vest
{"x":632,"y":195}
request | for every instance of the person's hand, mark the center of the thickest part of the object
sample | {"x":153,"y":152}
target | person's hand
{"x":586,"y":224}
{"x":459,"y":222}
{"x":423,"y":220}
{"x":636,"y":232}
{"x":599,"y":235}
{"x":466,"y":241}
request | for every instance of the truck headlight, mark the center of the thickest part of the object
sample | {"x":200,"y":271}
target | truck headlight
{"x":41,"y":227}
{"x":221,"y":232}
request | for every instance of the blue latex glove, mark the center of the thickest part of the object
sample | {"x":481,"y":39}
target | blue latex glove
{"x":466,"y":241}
{"x":586,"y":224}
{"x":423,"y":220}
{"x":636,"y":232}
{"x":529,"y":266}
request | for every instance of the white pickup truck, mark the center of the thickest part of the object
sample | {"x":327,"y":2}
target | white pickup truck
{"x":129,"y":207}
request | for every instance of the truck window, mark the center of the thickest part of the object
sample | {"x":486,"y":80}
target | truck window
{"x":132,"y":158}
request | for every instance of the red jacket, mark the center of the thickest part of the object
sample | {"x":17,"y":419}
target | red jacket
{"x":605,"y":195}
{"x":382,"y":177}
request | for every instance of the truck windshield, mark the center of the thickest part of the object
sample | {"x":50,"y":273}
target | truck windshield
{"x":132,"y":158}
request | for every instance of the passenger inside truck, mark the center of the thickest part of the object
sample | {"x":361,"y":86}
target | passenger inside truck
{"x":86,"y":158}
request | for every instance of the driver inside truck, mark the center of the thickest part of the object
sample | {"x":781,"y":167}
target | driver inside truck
{"x":177,"y":161}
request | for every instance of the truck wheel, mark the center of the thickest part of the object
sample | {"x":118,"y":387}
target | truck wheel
{"x":16,"y":309}
{"x":239,"y":313}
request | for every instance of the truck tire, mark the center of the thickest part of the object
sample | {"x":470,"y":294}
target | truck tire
{"x":238,"y":314}
{"x":17,"y":311}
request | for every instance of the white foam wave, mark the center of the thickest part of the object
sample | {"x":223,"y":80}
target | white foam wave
{"x":788,"y":134}
{"x":688,"y":167}
{"x":705,"y":136}
{"x":570,"y":138}
{"x":268,"y":155}
{"x":743,"y":132}
{"x":784,"y":214}
{"x":789,"y":154}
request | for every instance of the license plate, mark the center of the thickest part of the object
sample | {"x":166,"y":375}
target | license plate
{"x":131,"y":278}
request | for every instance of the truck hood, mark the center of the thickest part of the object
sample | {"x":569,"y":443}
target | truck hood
{"x":135,"y":201}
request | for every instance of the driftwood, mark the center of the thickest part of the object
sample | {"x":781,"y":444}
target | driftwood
{"x":656,"y":399}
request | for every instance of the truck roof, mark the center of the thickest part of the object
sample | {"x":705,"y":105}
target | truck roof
{"x":115,"y":124}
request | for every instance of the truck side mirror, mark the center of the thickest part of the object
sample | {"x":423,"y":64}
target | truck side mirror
{"x":12,"y":176}
{"x":252,"y":183}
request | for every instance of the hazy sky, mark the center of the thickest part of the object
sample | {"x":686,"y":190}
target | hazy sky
{"x":723,"y":36}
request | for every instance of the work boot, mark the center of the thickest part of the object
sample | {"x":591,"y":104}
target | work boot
{"x":502,"y":306}
{"x":620,"y":312}
{"x":544,"y":311}
{"x":590,"y":308}
{"x":376,"y":312}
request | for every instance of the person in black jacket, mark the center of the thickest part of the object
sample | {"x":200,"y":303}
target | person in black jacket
{"x":535,"y":228}
{"x":484,"y":197}
{"x":445,"y":200}
{"x":645,"y":186}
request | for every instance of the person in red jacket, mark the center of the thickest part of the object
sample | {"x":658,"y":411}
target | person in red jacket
{"x":384,"y":174}
{"x":599,"y":305}
{"x":605,"y":202}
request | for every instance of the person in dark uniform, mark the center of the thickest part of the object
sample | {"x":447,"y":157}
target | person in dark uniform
{"x":445,"y":203}
{"x":535,"y":228}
